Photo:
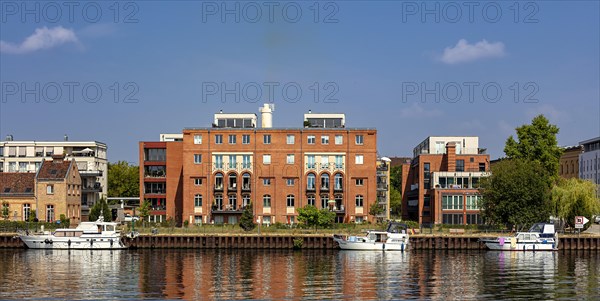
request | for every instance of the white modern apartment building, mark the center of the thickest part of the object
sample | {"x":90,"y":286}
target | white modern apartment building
{"x":436,"y":145}
{"x":90,"y":156}
{"x":589,"y":160}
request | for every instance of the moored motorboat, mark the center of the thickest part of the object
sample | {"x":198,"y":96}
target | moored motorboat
{"x":395,"y":238}
{"x":87,"y":235}
{"x":540,"y":237}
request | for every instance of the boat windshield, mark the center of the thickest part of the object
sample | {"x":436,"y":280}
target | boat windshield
{"x":396,"y":228}
{"x":537,"y":228}
{"x":110,"y":228}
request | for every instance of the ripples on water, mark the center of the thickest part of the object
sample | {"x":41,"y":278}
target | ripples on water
{"x":282,"y":274}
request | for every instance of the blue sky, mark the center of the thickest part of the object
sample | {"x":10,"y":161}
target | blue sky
{"x":374,"y":61}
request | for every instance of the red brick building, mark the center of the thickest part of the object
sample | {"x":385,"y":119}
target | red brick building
{"x":211,"y":174}
{"x":440,"y":183}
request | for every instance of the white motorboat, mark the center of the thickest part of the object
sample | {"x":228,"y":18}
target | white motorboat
{"x":540,"y":237}
{"x":87,"y":235}
{"x":395,"y":238}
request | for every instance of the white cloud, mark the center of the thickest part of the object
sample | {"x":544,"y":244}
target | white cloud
{"x":553,"y":114}
{"x":417,"y":111}
{"x":42,"y":38}
{"x":465,"y":52}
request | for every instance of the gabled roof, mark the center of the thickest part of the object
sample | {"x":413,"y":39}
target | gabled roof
{"x":17,"y":184}
{"x":54,"y":170}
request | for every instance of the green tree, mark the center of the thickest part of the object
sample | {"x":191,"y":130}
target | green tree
{"x":575,"y":197}
{"x":100,"y":208}
{"x":376,"y":210}
{"x":144,"y":211}
{"x":64,"y":221}
{"x":395,"y":202}
{"x":5,"y":210}
{"x":247,"y":219}
{"x":537,"y":143}
{"x":123,"y":180}
{"x":517,"y":193}
{"x":396,"y":177}
{"x":313,"y":217}
{"x":32,"y":216}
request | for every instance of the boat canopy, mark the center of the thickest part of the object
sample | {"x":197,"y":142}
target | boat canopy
{"x":395,"y":227}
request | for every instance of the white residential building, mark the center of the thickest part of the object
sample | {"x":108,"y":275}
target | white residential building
{"x":437,"y":145}
{"x":589,"y":160}
{"x":90,"y":156}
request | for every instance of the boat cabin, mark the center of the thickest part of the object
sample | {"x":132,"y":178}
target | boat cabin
{"x":544,"y":230}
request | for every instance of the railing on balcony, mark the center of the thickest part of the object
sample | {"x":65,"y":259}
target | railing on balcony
{"x":382,"y":187}
{"x":232,"y":187}
{"x":331,"y":166}
{"x":338,"y":188}
{"x":218,"y":187}
{"x":239,"y":167}
{"x":227,"y":208}
{"x":310,"y":188}
{"x":324,"y":188}
{"x":92,"y":188}
{"x":246,"y":187}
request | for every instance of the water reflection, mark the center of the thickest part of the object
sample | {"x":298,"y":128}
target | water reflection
{"x":282,"y":274}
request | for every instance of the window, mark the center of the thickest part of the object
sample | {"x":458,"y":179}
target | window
{"x":339,"y":162}
{"x":232,"y":139}
{"x":218,"y":161}
{"x":324,"y":162}
{"x":339,"y":139}
{"x":232,"y":182}
{"x":290,"y":139}
{"x":49,"y":213}
{"x":197,"y":158}
{"x":426,"y":176}
{"x":246,"y":181}
{"x":358,"y":159}
{"x":324,"y":139}
{"x":337,"y":181}
{"x":232,"y":202}
{"x":1,"y":151}
{"x":22,"y":166}
{"x":290,"y":159}
{"x":218,"y":139}
{"x":266,"y":201}
{"x":359,"y":200}
{"x":246,"y":161}
{"x":197,"y":181}
{"x":359,"y":219}
{"x":154,"y":154}
{"x":324,"y":201}
{"x":290,"y":182}
{"x":324,"y":181}
{"x":232,"y":161}
{"x":310,"y":199}
{"x":26,"y":212}
{"x":310,"y":161}
{"x":426,"y":201}
{"x":472,"y":202}
{"x":50,"y":189}
{"x":359,"y":182}
{"x":218,"y":202}
{"x":266,"y":159}
{"x":197,"y":139}
{"x":266,"y":220}
{"x":290,"y":200}
{"x":198,"y":219}
{"x":245,"y":139}
{"x":198,"y":200}
{"x":266,"y":139}
{"x":455,"y":219}
{"x":310,"y":181}
{"x":267,"y":182}
{"x":359,"y":140}
{"x":460,"y":165}
{"x":245,"y":200}
{"x":452,"y":202}
{"x":481,"y":166}
{"x":310,"y":139}
{"x":219,"y":181}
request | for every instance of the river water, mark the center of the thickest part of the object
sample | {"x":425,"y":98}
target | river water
{"x":283,"y":274}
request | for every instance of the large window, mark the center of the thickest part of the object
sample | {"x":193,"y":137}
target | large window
{"x":310,"y":161}
{"x":474,"y":219}
{"x":267,"y":201}
{"x":246,"y":161}
{"x":198,"y":200}
{"x":359,"y":200}
{"x":232,"y":161}
{"x":324,"y":201}
{"x":426,"y":175}
{"x":460,"y":165}
{"x":290,"y":200}
{"x":218,"y":161}
{"x":472,"y":202}
{"x":359,"y":139}
{"x":155,"y":154}
{"x":310,"y":181}
{"x":339,"y":161}
{"x":338,"y":179}
{"x":232,"y":182}
{"x":452,"y":202}
{"x":219,"y":181}
{"x":218,"y":202}
{"x":232,"y":202}
{"x":26,"y":211}
{"x":219,"y":139}
{"x":310,"y":199}
{"x":452,"y":219}
{"x":246,"y":181}
{"x":49,"y":213}
{"x":324,"y":181}
{"x":155,"y":188}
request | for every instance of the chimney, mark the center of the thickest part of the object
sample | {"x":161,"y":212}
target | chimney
{"x":58,"y":158}
{"x":66,"y":138}
{"x":9,"y":137}
{"x":266,"y":115}
{"x":451,"y":156}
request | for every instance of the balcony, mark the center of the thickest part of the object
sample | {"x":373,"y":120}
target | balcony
{"x":90,"y":173}
{"x":382,"y":187}
{"x":227,"y":208}
{"x":239,"y":167}
{"x":331,"y":166}
{"x":218,"y":187}
{"x":246,"y":187}
{"x":324,"y":188}
{"x":311,"y":188}
{"x":92,"y":188}
{"x":338,"y":188}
